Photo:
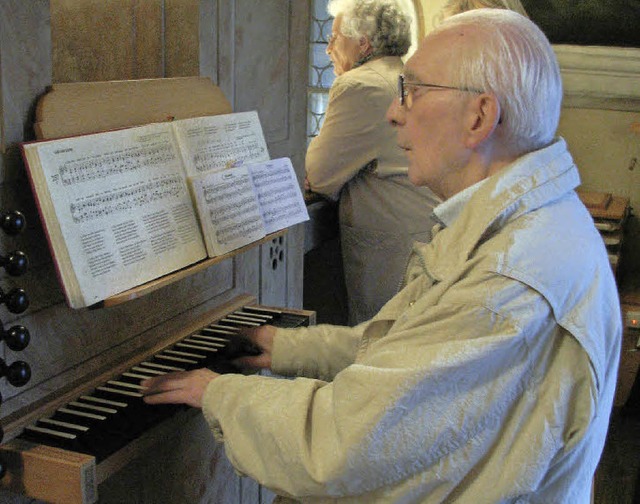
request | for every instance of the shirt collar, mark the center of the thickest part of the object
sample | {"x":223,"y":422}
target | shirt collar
{"x":447,"y":211}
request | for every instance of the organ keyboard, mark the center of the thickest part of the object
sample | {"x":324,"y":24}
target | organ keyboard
{"x":65,"y":448}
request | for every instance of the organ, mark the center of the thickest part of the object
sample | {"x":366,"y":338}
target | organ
{"x":64,"y":447}
{"x":63,"y":443}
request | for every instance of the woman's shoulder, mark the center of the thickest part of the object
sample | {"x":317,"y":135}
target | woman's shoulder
{"x":375,"y":74}
{"x":386,"y":67}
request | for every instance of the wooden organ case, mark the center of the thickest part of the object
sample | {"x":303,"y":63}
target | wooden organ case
{"x":157,"y":327}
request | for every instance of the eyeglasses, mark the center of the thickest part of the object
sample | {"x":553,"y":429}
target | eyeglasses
{"x":406,"y":98}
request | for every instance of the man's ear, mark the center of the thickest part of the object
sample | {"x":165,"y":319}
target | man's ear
{"x":484,"y":116}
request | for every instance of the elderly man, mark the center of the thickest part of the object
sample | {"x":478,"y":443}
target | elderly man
{"x":490,"y":376}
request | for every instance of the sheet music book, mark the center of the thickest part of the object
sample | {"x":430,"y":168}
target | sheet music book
{"x":240,"y":205}
{"x":117,"y":208}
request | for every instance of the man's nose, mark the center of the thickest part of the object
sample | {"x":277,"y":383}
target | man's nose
{"x":395,"y":113}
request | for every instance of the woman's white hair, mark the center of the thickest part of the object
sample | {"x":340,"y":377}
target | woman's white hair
{"x":513,"y":60}
{"x":383,"y":22}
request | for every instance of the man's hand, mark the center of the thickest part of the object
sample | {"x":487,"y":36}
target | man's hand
{"x":262,"y":337}
{"x":185,"y":387}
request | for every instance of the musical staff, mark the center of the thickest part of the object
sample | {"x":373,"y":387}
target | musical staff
{"x":99,"y":166}
{"x":102,"y":206}
{"x":219,"y":142}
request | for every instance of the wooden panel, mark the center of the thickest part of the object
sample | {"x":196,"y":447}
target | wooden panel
{"x":208,"y":28}
{"x":194,"y":469}
{"x":25,"y":65}
{"x":263,"y":62}
{"x":132,"y":39}
{"x":629,"y":359}
{"x":93,"y":40}
{"x":273,"y":269}
{"x":148,"y":40}
{"x":263,"y":76}
{"x":181,"y":38}
{"x":75,"y":480}
{"x":79,"y":108}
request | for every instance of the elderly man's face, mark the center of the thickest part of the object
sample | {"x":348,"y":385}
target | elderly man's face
{"x":430,"y":126}
{"x":343,"y":51}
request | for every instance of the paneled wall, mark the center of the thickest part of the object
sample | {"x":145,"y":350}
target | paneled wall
{"x":255,"y":50}
{"x":134,"y":39}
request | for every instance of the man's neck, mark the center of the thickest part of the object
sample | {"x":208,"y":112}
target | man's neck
{"x":478,"y":168}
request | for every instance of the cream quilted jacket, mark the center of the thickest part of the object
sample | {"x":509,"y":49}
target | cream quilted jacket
{"x":488,"y":379}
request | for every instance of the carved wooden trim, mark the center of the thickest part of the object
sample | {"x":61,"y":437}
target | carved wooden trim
{"x":600,"y":77}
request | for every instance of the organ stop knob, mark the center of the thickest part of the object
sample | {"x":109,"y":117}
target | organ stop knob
{"x":12,"y":222}
{"x":17,"y":337}
{"x":16,"y":300}
{"x":16,"y":263}
{"x":18,"y":373}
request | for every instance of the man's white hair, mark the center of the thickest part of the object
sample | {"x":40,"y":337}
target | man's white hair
{"x":512,"y":59}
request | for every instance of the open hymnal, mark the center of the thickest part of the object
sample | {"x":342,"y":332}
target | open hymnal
{"x":117,"y":208}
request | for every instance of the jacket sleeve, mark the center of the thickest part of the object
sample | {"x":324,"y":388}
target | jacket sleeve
{"x":353,"y":131}
{"x":394,"y":415}
{"x":315,"y":352}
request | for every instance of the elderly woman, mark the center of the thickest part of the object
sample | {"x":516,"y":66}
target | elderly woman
{"x":355,"y":158}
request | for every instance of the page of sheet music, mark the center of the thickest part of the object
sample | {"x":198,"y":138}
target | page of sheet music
{"x":281,"y":201}
{"x":214,"y":143}
{"x":123,"y":205}
{"x":228,"y":209}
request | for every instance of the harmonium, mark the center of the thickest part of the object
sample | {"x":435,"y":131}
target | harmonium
{"x":66,"y":446}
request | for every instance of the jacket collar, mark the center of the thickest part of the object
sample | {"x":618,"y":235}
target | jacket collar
{"x":527,"y":184}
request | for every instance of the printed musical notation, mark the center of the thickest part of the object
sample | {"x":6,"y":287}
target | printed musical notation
{"x":215,"y":143}
{"x":103,"y":165}
{"x":117,"y":209}
{"x":243,"y":204}
{"x":104,"y":205}
{"x":218,"y":157}
{"x":228,"y":209}
{"x":278,"y":194}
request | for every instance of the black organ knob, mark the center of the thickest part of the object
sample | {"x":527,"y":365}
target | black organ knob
{"x":17,"y":338}
{"x":16,"y":263}
{"x":12,"y":222}
{"x":16,"y":300}
{"x":18,"y":373}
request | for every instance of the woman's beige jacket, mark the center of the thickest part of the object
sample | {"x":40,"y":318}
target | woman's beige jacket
{"x":355,"y":159}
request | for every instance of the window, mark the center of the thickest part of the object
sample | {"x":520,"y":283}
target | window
{"x":320,"y":68}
